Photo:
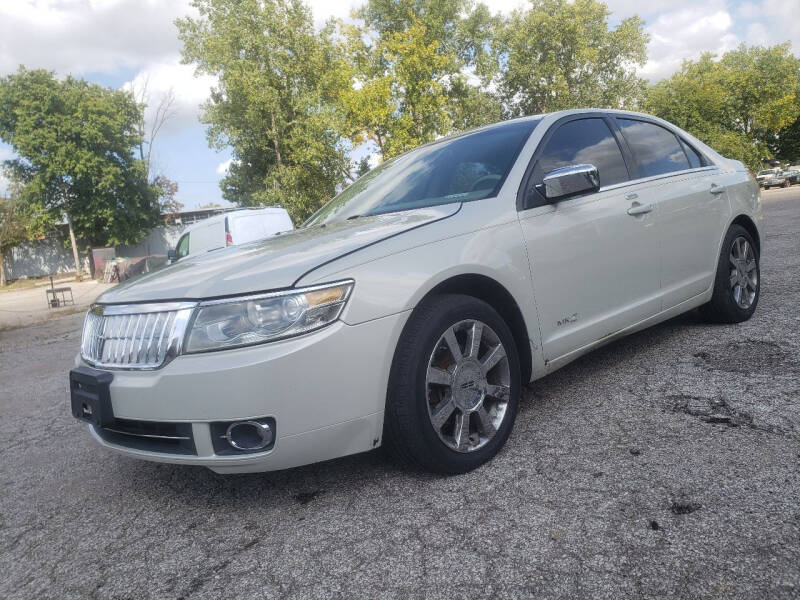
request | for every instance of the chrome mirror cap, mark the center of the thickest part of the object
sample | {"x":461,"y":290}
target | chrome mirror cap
{"x":570,"y":181}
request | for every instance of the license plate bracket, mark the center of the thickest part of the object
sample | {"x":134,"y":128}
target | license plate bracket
{"x":90,"y":395}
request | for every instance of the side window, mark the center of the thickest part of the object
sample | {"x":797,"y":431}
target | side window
{"x":655,"y":149}
{"x":696,"y":159}
{"x":585,"y":141}
{"x":183,"y":246}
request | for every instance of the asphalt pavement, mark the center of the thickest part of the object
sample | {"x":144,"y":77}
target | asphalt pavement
{"x":664,"y":465}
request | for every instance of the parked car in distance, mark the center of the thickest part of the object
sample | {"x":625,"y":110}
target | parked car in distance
{"x":778,"y":179}
{"x":230,"y":229}
{"x":762,"y":176}
{"x":410,"y":310}
{"x":791,"y":175}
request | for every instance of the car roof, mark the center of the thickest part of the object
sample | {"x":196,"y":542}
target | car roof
{"x":234,"y":213}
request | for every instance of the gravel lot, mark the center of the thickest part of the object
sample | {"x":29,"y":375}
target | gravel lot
{"x":666,"y":464}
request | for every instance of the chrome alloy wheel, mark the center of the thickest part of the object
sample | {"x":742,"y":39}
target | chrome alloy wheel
{"x":743,"y":273}
{"x":468,"y":384}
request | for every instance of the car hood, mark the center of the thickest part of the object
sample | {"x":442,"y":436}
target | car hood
{"x":273,"y":263}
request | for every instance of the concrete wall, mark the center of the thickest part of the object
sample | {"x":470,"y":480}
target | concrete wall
{"x":51,"y":257}
{"x":40,"y":258}
{"x":158,"y":241}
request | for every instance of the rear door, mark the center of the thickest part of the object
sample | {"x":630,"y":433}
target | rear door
{"x":594,"y":258}
{"x":690,"y":197}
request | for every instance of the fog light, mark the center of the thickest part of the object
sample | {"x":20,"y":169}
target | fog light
{"x":249,"y":436}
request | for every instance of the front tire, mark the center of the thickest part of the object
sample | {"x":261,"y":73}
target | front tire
{"x":454,"y":386}
{"x":737,"y":284}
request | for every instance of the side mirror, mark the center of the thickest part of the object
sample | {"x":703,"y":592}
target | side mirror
{"x":172,"y":256}
{"x":570,"y":181}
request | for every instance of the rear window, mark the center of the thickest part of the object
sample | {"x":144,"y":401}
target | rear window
{"x":656,"y":150}
{"x":696,"y":159}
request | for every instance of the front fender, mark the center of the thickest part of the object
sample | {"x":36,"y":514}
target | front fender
{"x":398,"y":282}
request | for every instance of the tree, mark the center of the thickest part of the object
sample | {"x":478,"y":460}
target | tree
{"x":275,"y":103}
{"x":13,"y":230}
{"x":558,"y":55}
{"x":148,"y":132}
{"x":75,"y":143}
{"x":410,"y":60}
{"x":786,"y":145}
{"x":167,"y":204}
{"x":741,"y":104}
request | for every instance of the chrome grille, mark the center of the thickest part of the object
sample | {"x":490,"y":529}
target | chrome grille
{"x":134,"y":336}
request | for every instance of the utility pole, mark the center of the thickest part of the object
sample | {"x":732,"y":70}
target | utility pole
{"x":74,"y":249}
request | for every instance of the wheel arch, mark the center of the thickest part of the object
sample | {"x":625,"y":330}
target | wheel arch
{"x":748,"y":223}
{"x":498,"y":297}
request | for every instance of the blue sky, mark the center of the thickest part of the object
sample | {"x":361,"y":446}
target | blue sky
{"x":120,"y":43}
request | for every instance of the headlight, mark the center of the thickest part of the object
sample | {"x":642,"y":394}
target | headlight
{"x":255,"y":319}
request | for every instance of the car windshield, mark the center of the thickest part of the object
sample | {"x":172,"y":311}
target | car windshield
{"x":468,"y":167}
{"x":766,"y":172}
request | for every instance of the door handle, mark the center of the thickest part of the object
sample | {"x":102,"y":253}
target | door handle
{"x":639,"y":209}
{"x":716,"y":189}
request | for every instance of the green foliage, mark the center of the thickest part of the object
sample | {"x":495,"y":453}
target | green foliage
{"x":739,"y":105}
{"x":409,"y":59}
{"x":16,"y":226}
{"x":786,"y":145}
{"x":166,"y":190}
{"x":75,"y":142}
{"x":13,"y":224}
{"x":292,"y":101}
{"x":558,"y":55}
{"x":275,"y":100}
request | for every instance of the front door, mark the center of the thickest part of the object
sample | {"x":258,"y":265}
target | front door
{"x":594,"y":259}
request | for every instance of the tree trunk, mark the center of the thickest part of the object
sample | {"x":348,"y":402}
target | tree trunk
{"x":2,"y":270}
{"x":275,"y":141}
{"x":74,"y":249}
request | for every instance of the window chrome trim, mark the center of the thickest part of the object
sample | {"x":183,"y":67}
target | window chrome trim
{"x":623,"y":184}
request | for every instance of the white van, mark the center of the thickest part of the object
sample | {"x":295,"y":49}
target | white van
{"x":230,"y":229}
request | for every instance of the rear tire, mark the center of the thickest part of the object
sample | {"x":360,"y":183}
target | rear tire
{"x":446,"y":413}
{"x":737,"y":284}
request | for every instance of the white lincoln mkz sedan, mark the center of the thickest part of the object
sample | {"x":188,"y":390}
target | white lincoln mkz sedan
{"x":410,"y":309}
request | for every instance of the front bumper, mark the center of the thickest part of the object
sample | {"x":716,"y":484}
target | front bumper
{"x":325,"y":390}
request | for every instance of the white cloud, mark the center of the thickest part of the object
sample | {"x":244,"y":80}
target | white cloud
{"x":757,"y":33}
{"x":779,"y":22}
{"x":5,"y":184}
{"x":87,"y":36}
{"x":324,"y":9}
{"x":222,"y":168}
{"x":685,"y":34}
{"x":6,"y":153}
{"x":189,"y":91}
